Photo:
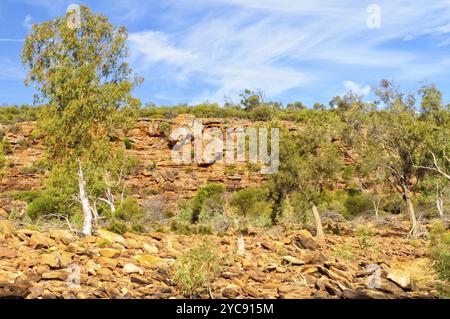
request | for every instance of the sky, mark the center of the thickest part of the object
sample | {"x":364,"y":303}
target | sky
{"x":193,"y":51}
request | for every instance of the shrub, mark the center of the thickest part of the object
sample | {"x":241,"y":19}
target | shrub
{"x":195,"y":270}
{"x":127,"y":143}
{"x":345,"y":252}
{"x":127,"y":217}
{"x":44,"y":204}
{"x":250,"y":201}
{"x":358,"y":204}
{"x":440,"y":252}
{"x":365,"y":233}
{"x":208,"y":202}
{"x":165,"y":129}
{"x":262,"y":113}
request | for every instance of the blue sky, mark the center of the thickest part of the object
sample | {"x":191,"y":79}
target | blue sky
{"x":190,"y":51}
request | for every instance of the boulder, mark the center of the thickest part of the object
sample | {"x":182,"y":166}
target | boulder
{"x":231,"y":291}
{"x":6,"y":227}
{"x":64,"y":236}
{"x":38,"y":241}
{"x":107,"y":262}
{"x":132,"y":269}
{"x":61,"y":275}
{"x":150,"y":249}
{"x":110,"y":236}
{"x":401,"y":278}
{"x":13,"y":291}
{"x":140,"y":280}
{"x":304,"y":243}
{"x":109,"y":252}
{"x":50,"y":260}
{"x":147,"y":260}
{"x":6,"y":253}
{"x":293,"y":260}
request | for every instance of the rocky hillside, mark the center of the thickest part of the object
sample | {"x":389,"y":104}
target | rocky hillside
{"x":274,"y":264}
{"x":157,"y":178}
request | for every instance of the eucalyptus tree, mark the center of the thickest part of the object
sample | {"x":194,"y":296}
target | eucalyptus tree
{"x":395,"y":141}
{"x":81,"y":73}
{"x":311,"y":163}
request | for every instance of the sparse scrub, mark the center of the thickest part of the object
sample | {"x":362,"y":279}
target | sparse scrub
{"x":195,"y":270}
{"x":440,"y":252}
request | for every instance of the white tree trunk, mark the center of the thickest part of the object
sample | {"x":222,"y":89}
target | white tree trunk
{"x":410,"y":208}
{"x":87,"y":213}
{"x":376,"y":207}
{"x":440,"y":206}
{"x":319,"y":229}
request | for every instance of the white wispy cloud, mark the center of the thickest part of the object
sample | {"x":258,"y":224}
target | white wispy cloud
{"x":358,"y":89}
{"x":271,"y":45}
{"x":10,"y":70}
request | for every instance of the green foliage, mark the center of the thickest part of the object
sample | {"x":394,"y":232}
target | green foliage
{"x":251,"y":202}
{"x":15,"y":114}
{"x":56,"y":198}
{"x":208,"y":202}
{"x":263,"y":112}
{"x":345,"y":252}
{"x":358,"y":204}
{"x":165,"y":129}
{"x":310,"y":163}
{"x":250,"y":99}
{"x":195,"y":270}
{"x":440,"y":252}
{"x":127,"y":143}
{"x":365,"y":234}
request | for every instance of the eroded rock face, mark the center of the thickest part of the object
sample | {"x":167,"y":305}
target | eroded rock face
{"x":41,"y":265}
{"x":151,"y":144}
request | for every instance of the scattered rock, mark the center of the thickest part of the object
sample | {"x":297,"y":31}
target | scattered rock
{"x":231,"y":291}
{"x":38,"y":241}
{"x":304,"y":243}
{"x":147,"y":260}
{"x":132,"y":269}
{"x":112,"y":237}
{"x":150,"y":249}
{"x":7,"y":253}
{"x":294,"y":261}
{"x":401,"y":278}
{"x":6,"y":227}
{"x":109,"y":252}
{"x":50,"y":260}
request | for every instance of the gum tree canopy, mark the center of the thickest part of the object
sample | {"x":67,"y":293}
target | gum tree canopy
{"x":81,"y":74}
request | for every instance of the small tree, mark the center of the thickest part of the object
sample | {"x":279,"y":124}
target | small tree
{"x":310,"y":164}
{"x":82,"y":76}
{"x":395,"y":141}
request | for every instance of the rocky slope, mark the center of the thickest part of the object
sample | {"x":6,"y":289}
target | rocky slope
{"x":157,"y":178}
{"x":275,"y":264}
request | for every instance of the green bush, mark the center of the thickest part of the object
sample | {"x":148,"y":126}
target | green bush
{"x":165,"y":129}
{"x":208,"y":202}
{"x":251,"y":202}
{"x":358,"y":204}
{"x":262,"y":113}
{"x":127,"y":143}
{"x":195,"y":270}
{"x":44,"y":204}
{"x":127,"y":217}
{"x":440,"y":252}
